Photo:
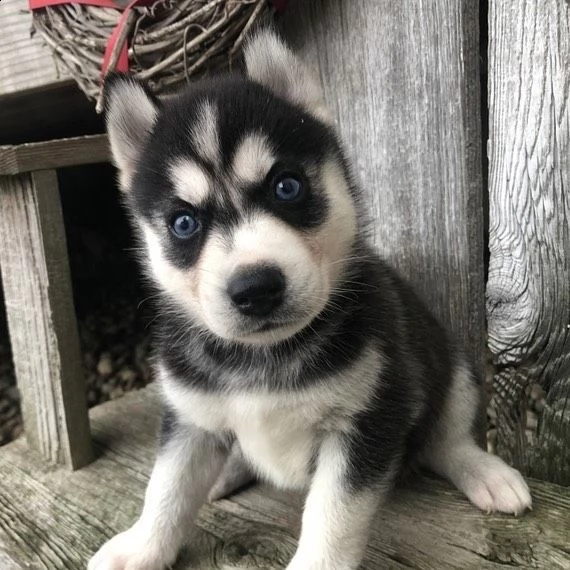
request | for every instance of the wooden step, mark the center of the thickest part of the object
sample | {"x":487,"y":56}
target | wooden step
{"x":54,"y":519}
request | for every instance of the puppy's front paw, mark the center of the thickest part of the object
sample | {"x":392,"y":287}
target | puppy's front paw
{"x":130,"y":550}
{"x":494,"y":486}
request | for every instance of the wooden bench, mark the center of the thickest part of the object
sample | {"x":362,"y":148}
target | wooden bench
{"x":410,"y":113}
{"x":38,"y":296}
{"x":50,"y":518}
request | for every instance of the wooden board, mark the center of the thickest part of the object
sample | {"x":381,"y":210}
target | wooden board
{"x":528,"y":292}
{"x":26,"y":62}
{"x":54,"y":154}
{"x":402,"y":81}
{"x":41,"y":318}
{"x":52,"y":519}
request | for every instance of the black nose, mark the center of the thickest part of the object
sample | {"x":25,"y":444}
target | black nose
{"x":257,"y":291}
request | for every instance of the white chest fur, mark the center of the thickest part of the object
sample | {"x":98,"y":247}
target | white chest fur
{"x":279,"y":432}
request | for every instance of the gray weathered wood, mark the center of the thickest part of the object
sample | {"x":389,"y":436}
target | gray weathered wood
{"x":402,"y":81}
{"x":528,"y":292}
{"x":41,"y":318}
{"x":51,"y":519}
{"x":26,"y":63}
{"x":54,"y":154}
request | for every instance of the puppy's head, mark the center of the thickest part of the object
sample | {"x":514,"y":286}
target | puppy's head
{"x":240,"y":192}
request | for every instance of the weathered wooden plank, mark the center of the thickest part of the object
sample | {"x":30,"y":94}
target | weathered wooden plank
{"x":53,"y":154}
{"x":402,"y":81}
{"x":52,"y":519}
{"x":26,"y":63}
{"x":528,"y":292}
{"x":41,"y":318}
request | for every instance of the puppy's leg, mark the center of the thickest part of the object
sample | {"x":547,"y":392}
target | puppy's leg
{"x":188,"y":463}
{"x":337,"y":514}
{"x":235,"y":474}
{"x":487,"y":480}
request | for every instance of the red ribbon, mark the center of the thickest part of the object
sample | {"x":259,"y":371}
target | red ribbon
{"x":123,"y":60}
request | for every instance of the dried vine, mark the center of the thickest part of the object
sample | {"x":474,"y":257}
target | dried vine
{"x":169,"y":42}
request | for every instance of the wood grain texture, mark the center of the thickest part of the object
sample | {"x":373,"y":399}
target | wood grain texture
{"x":52,"y":519}
{"x":26,"y":62}
{"x":41,"y":318}
{"x":54,"y":154}
{"x":528,"y":292}
{"x":402,"y":81}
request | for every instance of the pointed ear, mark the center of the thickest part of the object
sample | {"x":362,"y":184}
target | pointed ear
{"x":130,"y":113}
{"x":270,"y":62}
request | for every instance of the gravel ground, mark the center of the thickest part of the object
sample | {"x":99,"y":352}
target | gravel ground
{"x":115,"y":345}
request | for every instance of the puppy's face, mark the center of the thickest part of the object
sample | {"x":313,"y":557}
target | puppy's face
{"x":239,"y":190}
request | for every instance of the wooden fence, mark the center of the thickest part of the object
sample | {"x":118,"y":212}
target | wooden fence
{"x":528,"y":290}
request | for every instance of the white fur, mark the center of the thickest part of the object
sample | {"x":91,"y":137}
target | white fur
{"x":337,"y":234}
{"x":278,"y":432}
{"x":190,"y":182}
{"x":204,"y":134}
{"x":182,"y":475}
{"x":130,"y":118}
{"x":263,"y":239}
{"x":253,"y":158}
{"x":487,"y":480}
{"x":336,"y":523}
{"x":270,"y":62}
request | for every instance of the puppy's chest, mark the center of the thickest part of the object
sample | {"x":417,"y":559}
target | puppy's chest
{"x":280,"y":432}
{"x":278,"y":435}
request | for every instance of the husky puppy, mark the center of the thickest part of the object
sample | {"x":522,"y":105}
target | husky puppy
{"x":283,"y":342}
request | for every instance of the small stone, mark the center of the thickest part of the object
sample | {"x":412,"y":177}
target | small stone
{"x":91,"y":397}
{"x":116,"y":393}
{"x":539,"y":406}
{"x":127,"y":376}
{"x":105,"y":364}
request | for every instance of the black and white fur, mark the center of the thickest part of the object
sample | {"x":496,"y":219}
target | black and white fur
{"x":340,"y":386}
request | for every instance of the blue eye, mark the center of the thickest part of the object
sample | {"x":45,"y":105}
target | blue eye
{"x":184,"y":225}
{"x":288,"y":188}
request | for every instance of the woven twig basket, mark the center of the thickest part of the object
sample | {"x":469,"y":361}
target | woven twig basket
{"x":169,"y":42}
